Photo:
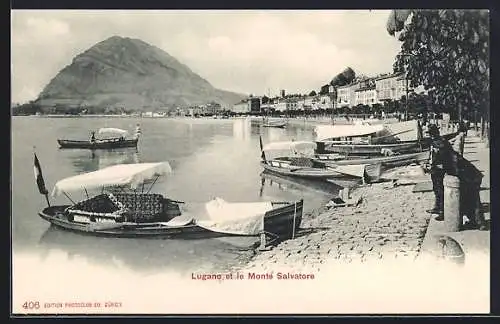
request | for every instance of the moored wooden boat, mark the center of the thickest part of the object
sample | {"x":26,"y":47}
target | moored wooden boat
{"x":118,"y":140}
{"x":297,"y":160}
{"x":120,"y":212}
{"x":371,"y":140}
{"x":279,"y":222}
{"x":98,"y":144}
{"x":386,"y":161}
{"x":274,"y":124}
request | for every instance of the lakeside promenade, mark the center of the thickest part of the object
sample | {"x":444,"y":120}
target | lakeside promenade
{"x":389,"y":242}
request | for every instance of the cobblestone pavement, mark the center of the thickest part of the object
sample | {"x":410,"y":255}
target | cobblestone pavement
{"x":388,"y":224}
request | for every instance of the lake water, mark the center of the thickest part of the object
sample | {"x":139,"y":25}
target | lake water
{"x":209,"y":158}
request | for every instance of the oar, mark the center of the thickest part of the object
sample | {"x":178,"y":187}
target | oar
{"x":394,"y":134}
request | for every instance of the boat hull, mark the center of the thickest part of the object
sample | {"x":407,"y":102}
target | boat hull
{"x":372,"y":149}
{"x":106,"y":144}
{"x":305,"y":172}
{"x":402,"y":147}
{"x":386,"y":161}
{"x":277,"y":125}
{"x":282,"y":222}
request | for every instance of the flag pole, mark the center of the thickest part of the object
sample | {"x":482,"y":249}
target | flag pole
{"x":39,"y":178}
{"x":263,"y":154}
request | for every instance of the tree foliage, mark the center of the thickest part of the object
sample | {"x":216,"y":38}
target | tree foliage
{"x":447,"y":52}
{"x":343,"y":78}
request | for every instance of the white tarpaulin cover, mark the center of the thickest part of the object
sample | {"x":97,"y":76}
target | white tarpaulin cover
{"x":289,"y":148}
{"x":235,"y":218}
{"x":356,"y":170}
{"x":328,"y":132}
{"x":116,"y":175}
{"x":108,"y":130}
{"x":405,"y":131}
{"x":290,"y":145}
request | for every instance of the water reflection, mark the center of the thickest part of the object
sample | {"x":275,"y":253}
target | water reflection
{"x":298,"y":186}
{"x":209,"y":158}
{"x":241,"y":129}
{"x":113,"y":157}
{"x":92,"y":160}
{"x":145,"y":255}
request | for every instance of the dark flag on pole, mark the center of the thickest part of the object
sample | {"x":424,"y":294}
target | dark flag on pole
{"x":39,"y":177}
{"x":263,"y":155}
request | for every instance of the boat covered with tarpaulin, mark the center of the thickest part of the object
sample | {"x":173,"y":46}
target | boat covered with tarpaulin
{"x":375,"y":140}
{"x":297,"y":159}
{"x":124,"y":209}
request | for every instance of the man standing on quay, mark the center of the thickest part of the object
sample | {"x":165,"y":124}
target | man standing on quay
{"x":444,"y":160}
{"x":437,"y":159}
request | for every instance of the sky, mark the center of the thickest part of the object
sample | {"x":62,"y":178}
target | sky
{"x":251,"y":52}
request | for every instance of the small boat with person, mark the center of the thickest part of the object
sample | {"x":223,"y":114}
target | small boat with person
{"x":120,"y":209}
{"x":297,"y":159}
{"x":111,"y":138}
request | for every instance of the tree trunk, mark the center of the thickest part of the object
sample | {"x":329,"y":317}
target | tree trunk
{"x":482,"y":128}
{"x":475,"y":121}
{"x":460,"y":118}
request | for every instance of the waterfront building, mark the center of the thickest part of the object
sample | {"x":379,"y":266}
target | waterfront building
{"x":251,"y":104}
{"x":366,"y":96}
{"x":346,"y":95}
{"x":391,"y":87}
{"x":343,"y":96}
{"x":241,"y":107}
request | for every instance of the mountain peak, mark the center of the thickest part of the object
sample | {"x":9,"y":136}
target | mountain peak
{"x":124,"y":71}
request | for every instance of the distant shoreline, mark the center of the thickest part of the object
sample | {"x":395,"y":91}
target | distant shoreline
{"x":320,"y":120}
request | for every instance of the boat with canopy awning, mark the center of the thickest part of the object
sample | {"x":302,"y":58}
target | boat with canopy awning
{"x":297,"y":159}
{"x":109,"y":138}
{"x":123,"y":208}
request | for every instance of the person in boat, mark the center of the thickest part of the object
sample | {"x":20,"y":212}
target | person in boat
{"x":92,"y":137}
{"x":444,"y":160}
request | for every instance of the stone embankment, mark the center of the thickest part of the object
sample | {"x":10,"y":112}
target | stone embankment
{"x":389,"y":224}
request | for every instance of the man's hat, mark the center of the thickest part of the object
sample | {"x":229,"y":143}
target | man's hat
{"x":433,"y":129}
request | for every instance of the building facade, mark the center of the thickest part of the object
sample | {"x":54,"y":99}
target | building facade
{"x":343,"y":96}
{"x":366,"y":96}
{"x":254,"y":104}
{"x":391,"y":87}
{"x":249,"y":105}
{"x":241,"y":107}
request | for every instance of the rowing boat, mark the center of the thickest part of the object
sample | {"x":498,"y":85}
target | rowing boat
{"x":98,"y":144}
{"x":372,"y":140}
{"x":386,"y":161}
{"x":117,"y":140}
{"x":274,"y":124}
{"x":296,"y":159}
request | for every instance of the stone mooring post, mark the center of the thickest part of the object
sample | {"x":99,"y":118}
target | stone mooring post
{"x":452,"y":215}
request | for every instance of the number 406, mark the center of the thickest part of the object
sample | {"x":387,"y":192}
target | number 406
{"x":31,"y":305}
